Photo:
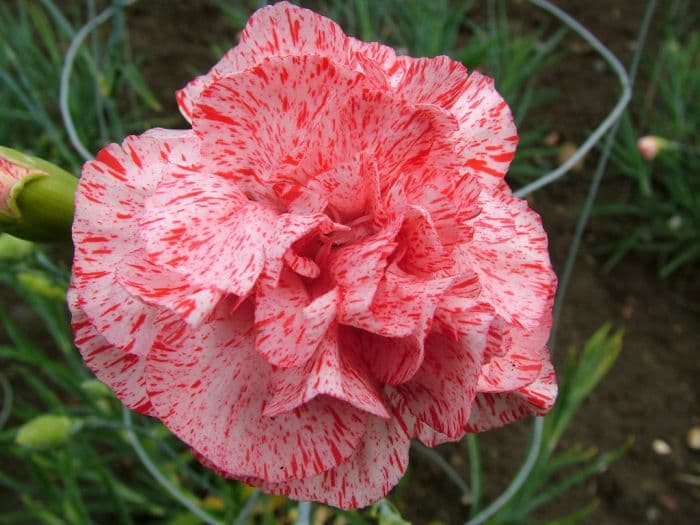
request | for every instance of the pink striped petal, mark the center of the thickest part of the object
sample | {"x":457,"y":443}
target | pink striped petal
{"x":357,"y":269}
{"x":121,"y":371}
{"x":438,"y":81}
{"x":108,"y":203}
{"x":402,"y":303}
{"x":288,"y":325}
{"x":441,"y":392}
{"x":278,"y":30}
{"x":488,"y":137}
{"x":209,"y":387}
{"x":516,"y":274}
{"x":153,"y":284}
{"x":495,"y":410}
{"x":424,"y":250}
{"x":255,"y":125}
{"x":392,"y":360}
{"x":376,"y":467}
{"x":522,"y":361}
{"x":371,"y":125}
{"x":203,"y":227}
{"x":335,"y":371}
{"x":494,"y":222}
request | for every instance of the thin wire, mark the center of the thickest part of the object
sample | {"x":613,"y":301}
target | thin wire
{"x":243,"y":516}
{"x":158,"y":475}
{"x":7,"y":398}
{"x":67,"y":70}
{"x":444,"y":465}
{"x":304,"y":517}
{"x":595,"y":185}
{"x":520,"y":478}
{"x":609,"y":120}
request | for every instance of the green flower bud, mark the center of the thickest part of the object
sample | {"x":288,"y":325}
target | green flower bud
{"x":14,"y":249}
{"x":95,"y":388}
{"x":36,"y":197}
{"x":40,"y":284}
{"x":45,"y":432}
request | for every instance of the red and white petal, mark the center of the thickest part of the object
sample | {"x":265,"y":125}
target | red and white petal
{"x":158,"y":286}
{"x":438,"y":81}
{"x":495,"y":410}
{"x":357,"y":269}
{"x":494,"y":222}
{"x":487,"y":134}
{"x":516,"y":275}
{"x":441,"y":392}
{"x":288,"y":325}
{"x":335,"y":371}
{"x":424,"y":250}
{"x":402,"y":303}
{"x":121,"y":371}
{"x":416,"y":428}
{"x":278,"y":30}
{"x":255,"y":125}
{"x":522,"y":362}
{"x":203,"y":227}
{"x":367,"y":476}
{"x":108,"y":204}
{"x":289,"y":229}
{"x":212,"y":378}
{"x":392,"y":360}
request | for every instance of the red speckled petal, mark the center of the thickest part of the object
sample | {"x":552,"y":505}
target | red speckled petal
{"x":521,"y":364}
{"x":255,"y":125}
{"x":288,"y":325}
{"x":516,"y":274}
{"x":108,"y":204}
{"x":278,"y":30}
{"x":370,"y":126}
{"x":495,"y":410}
{"x":334,"y":371}
{"x":439,"y":81}
{"x":494,"y":222}
{"x":402,"y":303}
{"x":392,"y":360}
{"x":488,"y":137}
{"x":376,"y":467}
{"x":121,"y":371}
{"x":424,"y":250}
{"x":203,"y":227}
{"x":441,"y":392}
{"x":209,"y":387}
{"x":155,"y":285}
{"x":358,"y":268}
{"x":383,"y":58}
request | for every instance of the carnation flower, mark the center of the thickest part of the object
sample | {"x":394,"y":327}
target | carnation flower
{"x":327,"y":265}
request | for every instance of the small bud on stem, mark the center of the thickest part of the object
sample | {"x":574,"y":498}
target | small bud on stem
{"x":36,"y":197}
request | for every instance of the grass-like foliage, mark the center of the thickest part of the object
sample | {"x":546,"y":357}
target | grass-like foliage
{"x":659,"y":213}
{"x":108,"y":96}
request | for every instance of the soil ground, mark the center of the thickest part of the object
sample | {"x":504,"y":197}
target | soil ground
{"x":653,"y":392}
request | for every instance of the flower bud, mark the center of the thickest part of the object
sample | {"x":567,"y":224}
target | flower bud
{"x":650,"y":146}
{"x":41,"y":285}
{"x":14,"y":249}
{"x":45,"y":432}
{"x":95,"y":388}
{"x":36,"y":197}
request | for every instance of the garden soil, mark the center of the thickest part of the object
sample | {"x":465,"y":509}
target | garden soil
{"x":653,"y":391}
